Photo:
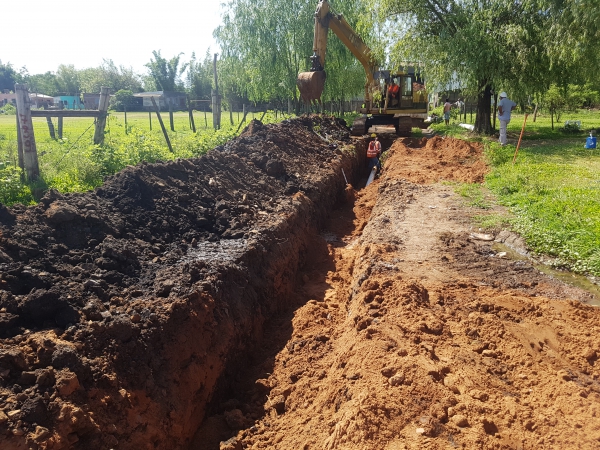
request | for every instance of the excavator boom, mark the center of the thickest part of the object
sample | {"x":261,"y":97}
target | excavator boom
{"x":311,"y":83}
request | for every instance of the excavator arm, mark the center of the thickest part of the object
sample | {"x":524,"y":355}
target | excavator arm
{"x":311,"y":83}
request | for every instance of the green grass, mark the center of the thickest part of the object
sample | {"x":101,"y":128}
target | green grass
{"x":474,"y":194}
{"x":552,"y":192}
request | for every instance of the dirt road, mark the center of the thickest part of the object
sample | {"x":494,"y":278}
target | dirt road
{"x":242,"y":301}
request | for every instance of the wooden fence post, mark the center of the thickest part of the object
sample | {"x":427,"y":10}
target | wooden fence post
{"x":171,"y":115}
{"x":60,"y":121}
{"x":162,"y":125}
{"x":30,"y":157}
{"x":101,"y":121}
{"x":20,"y":146}
{"x":216,"y":98}
{"x":191,"y":113}
{"x":51,"y":127}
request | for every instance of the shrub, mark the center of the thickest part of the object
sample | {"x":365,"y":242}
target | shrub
{"x":12,"y":190}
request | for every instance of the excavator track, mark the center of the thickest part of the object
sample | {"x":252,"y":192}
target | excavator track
{"x":359,"y":127}
{"x":404,"y":127}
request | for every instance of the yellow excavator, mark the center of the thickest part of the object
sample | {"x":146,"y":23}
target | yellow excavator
{"x":391,"y":98}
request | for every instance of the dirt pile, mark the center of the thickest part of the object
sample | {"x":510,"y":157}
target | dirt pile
{"x":425,"y":161}
{"x":120,"y":308}
{"x":411,"y":334}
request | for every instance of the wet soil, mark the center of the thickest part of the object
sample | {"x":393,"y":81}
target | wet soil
{"x":251,"y":299}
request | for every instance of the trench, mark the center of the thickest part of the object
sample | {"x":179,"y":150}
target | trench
{"x":231,"y":348}
{"x":241,"y":395}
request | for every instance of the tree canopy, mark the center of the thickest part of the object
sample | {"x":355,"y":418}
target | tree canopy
{"x":484,"y":44}
{"x":8,"y":76}
{"x":199,"y":77}
{"x":109,"y":75}
{"x":166,"y":73}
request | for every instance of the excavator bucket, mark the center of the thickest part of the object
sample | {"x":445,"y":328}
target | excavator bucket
{"x":311,"y":86}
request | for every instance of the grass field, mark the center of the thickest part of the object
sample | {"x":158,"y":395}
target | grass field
{"x":552,"y":191}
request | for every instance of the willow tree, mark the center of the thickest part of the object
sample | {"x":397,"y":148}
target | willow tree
{"x":574,"y":38}
{"x":484,"y":44}
{"x":266,"y":43}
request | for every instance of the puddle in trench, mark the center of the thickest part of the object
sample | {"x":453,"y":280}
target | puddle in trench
{"x":571,"y":278}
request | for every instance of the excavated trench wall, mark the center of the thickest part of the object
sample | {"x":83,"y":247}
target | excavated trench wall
{"x":121,"y":308}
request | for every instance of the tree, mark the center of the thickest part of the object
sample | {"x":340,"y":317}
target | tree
{"x":8,"y":76}
{"x":109,"y":75}
{"x":200,"y":76}
{"x":123,"y":99}
{"x":166,"y":74}
{"x":44,"y":83}
{"x":266,"y":43}
{"x":68,"y":80}
{"x":574,"y":37}
{"x":489,"y":45}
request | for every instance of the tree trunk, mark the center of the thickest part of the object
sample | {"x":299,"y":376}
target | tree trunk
{"x":483,"y":122}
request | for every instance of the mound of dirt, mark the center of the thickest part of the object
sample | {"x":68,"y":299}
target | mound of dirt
{"x":120,"y":308}
{"x":428,"y":161}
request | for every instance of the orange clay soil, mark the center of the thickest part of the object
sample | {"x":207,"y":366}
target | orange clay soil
{"x":409,"y":333}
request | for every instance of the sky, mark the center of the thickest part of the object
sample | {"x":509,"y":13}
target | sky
{"x":83,"y":32}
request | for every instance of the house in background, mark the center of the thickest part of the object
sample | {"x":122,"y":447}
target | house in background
{"x":37,"y":100}
{"x":41,"y":100}
{"x":165,"y":100}
{"x":69,"y":102}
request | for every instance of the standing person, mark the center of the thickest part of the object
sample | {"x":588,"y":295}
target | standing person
{"x":505,"y":106}
{"x":373,"y":152}
{"x":447,"y":108}
{"x":460,"y":105}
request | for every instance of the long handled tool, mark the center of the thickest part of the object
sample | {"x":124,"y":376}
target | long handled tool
{"x":520,"y":137}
